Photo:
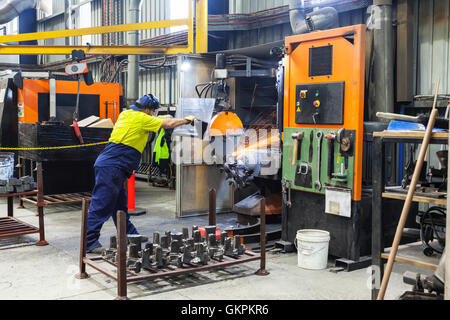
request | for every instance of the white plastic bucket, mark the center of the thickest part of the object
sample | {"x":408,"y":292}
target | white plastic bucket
{"x":312,"y":246}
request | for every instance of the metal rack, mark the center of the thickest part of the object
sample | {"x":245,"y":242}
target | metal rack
{"x":409,"y":253}
{"x":58,"y":199}
{"x":11,"y":226}
{"x":123,"y":276}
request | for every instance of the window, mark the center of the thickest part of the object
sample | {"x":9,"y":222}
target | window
{"x":179,"y":9}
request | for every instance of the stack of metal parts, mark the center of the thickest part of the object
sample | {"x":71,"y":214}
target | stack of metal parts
{"x":20,"y":185}
{"x":177,"y":249}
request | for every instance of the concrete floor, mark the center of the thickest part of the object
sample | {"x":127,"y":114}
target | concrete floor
{"x":30,"y":272}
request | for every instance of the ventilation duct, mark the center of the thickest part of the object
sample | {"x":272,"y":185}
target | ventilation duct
{"x":321,"y":19}
{"x":13,"y":8}
{"x":134,"y":13}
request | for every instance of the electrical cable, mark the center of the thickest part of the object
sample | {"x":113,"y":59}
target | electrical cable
{"x":149,"y":67}
{"x":203,"y":90}
{"x":199,"y":85}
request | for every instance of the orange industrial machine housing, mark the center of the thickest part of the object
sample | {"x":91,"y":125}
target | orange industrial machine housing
{"x":42,"y":105}
{"x":323,"y":123}
{"x":342,"y":51}
{"x":99,"y":99}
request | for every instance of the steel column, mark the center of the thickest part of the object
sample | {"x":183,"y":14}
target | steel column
{"x":40,"y":205}
{"x":84,"y":219}
{"x":378,"y":172}
{"x":383,"y":61}
{"x":133,"y":60}
{"x":262,"y":269}
{"x":212,"y":207}
{"x":121,"y":256}
{"x":447,"y":240}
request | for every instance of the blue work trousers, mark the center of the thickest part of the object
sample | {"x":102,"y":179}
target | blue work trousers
{"x":108,"y":197}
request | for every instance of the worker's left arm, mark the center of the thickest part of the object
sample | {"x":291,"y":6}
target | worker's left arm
{"x":151,"y":123}
{"x":173,"y":123}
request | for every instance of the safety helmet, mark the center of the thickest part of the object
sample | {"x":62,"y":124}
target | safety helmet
{"x":148,"y":101}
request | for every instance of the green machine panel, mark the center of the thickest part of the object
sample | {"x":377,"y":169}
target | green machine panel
{"x":336,"y":167}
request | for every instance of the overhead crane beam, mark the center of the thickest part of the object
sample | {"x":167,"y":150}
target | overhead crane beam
{"x":197,"y":24}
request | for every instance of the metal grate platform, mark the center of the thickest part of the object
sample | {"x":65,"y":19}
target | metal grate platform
{"x":10,"y":227}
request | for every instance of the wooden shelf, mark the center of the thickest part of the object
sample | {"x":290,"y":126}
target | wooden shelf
{"x":413,"y":254}
{"x":409,"y":134}
{"x":399,"y":196}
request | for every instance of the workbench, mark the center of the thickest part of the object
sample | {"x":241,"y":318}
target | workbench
{"x":411,"y":253}
{"x":11,"y":226}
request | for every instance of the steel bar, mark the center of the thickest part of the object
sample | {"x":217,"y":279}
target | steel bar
{"x":93,"y":50}
{"x":100,"y":268}
{"x":40,"y":205}
{"x":378,"y":172}
{"x":408,"y":201}
{"x":93,"y":30}
{"x":121,"y":256}
{"x":18,"y":194}
{"x":20,"y":170}
{"x":212,"y":207}
{"x":262,"y":270}
{"x":447,"y":240}
{"x":10,"y":206}
{"x":83,"y":244}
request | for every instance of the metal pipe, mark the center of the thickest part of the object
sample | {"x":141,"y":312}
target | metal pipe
{"x":212,"y":207}
{"x":383,"y":60}
{"x":28,"y":24}
{"x":133,"y":60}
{"x":52,"y":85}
{"x":13,"y":8}
{"x":297,"y":16}
{"x":320,"y":19}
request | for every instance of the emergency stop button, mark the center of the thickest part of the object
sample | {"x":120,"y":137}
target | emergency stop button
{"x":316,"y":103}
{"x":303,"y":94}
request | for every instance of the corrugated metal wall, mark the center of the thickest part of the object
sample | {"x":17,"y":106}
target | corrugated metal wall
{"x":249,"y":6}
{"x":151,"y":10}
{"x":241,"y":39}
{"x":433,"y":53}
{"x":433,"y":46}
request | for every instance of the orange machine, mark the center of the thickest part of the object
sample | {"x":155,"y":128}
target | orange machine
{"x":323,"y":123}
{"x":99,"y":99}
{"x":342,"y":52}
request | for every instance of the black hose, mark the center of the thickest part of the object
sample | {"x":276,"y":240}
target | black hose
{"x":203,"y":90}
{"x":206,"y":93}
{"x":196,"y":88}
{"x":162,"y":64}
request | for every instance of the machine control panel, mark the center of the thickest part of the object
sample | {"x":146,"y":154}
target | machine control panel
{"x":320,"y":103}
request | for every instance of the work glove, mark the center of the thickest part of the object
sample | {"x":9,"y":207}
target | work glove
{"x":190,"y":119}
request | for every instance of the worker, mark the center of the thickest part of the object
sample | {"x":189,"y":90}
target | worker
{"x":118,"y":160}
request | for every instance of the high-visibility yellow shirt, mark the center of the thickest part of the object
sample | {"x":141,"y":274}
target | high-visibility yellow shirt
{"x":132,"y":129}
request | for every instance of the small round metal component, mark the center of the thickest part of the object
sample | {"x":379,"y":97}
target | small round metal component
{"x":345,"y":144}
